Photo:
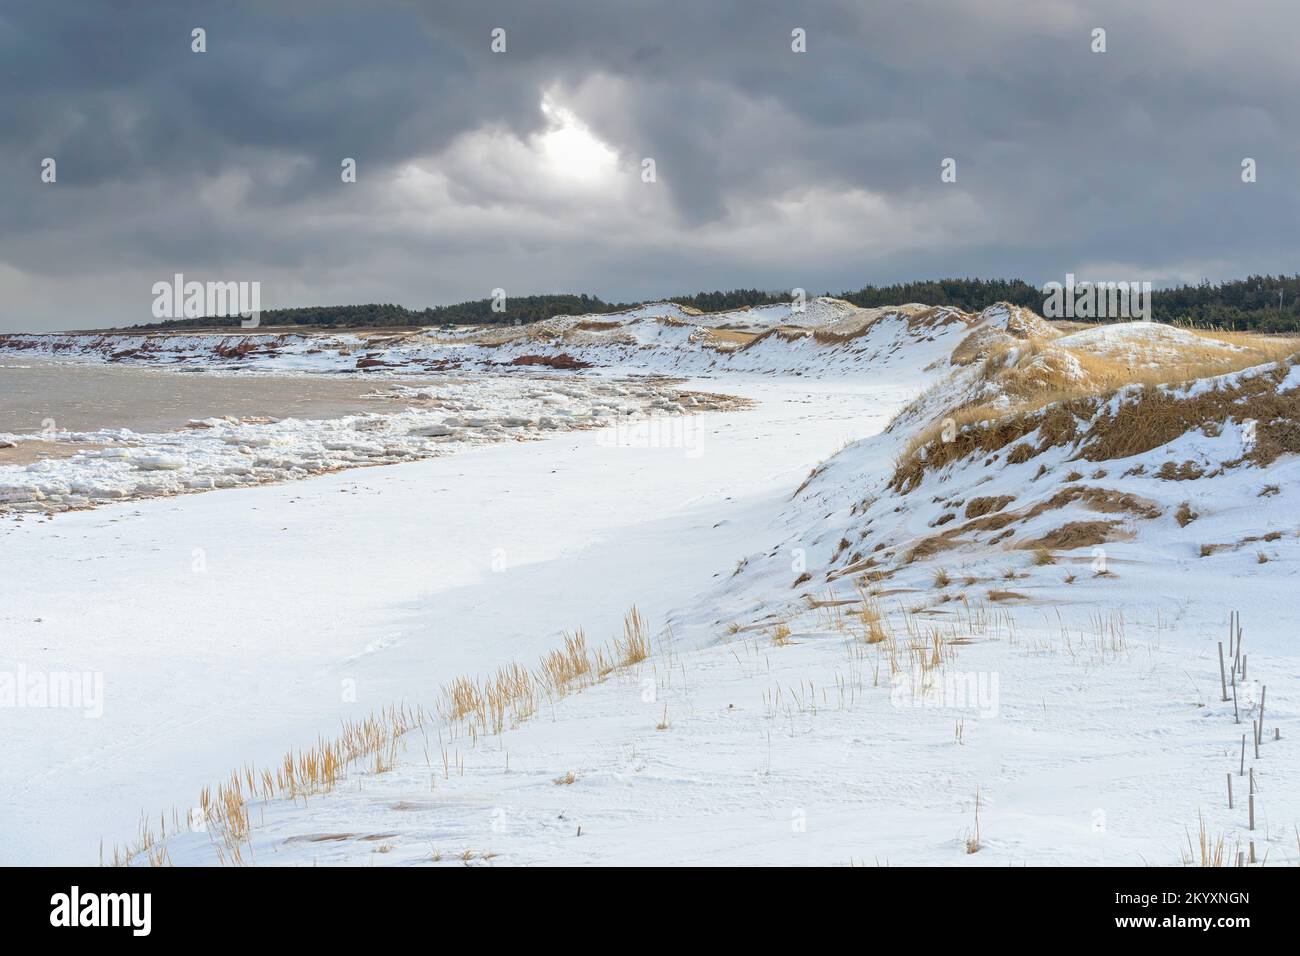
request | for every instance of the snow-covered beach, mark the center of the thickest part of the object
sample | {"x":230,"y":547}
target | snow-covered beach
{"x":230,"y":623}
{"x":835,"y":674}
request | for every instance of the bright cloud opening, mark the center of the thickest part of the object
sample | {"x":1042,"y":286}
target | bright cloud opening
{"x":571,"y":150}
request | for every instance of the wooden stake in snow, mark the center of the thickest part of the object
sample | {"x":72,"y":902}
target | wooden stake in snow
{"x":1223,"y":678}
{"x":1229,"y":791}
{"x":1255,"y":727}
{"x":1242,"y":771}
{"x":1236,"y":715}
{"x":1277,"y":733}
{"x":1252,"y":811}
{"x":1252,"y":851}
{"x":1243,"y":665}
{"x":1263,"y":692}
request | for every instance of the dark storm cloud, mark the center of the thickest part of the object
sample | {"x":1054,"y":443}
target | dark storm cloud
{"x":775,"y":169}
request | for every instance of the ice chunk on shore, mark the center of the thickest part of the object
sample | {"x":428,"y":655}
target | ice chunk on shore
{"x":159,"y":462}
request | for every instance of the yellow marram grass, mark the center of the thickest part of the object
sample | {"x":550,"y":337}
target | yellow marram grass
{"x":480,"y":706}
{"x":1053,"y":396}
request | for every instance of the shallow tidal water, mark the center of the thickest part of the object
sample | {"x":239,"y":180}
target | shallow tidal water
{"x":90,"y":397}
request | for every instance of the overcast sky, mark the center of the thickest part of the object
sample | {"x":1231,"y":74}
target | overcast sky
{"x":524,"y":170}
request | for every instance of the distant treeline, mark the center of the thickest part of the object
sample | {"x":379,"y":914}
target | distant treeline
{"x":969,"y":295}
{"x":1259,"y":303}
{"x":524,"y":308}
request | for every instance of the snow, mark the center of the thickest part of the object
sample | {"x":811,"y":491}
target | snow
{"x":662,"y":339}
{"x":224,"y":623}
{"x":1083,"y":711}
{"x":793,"y":755}
{"x":1147,"y":342}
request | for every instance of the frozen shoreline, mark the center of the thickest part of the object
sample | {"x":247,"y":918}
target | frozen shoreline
{"x":408,"y":422}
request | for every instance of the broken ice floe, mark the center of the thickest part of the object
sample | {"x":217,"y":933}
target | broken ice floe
{"x":462,"y":412}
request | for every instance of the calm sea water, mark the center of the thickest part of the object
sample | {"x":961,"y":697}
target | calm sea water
{"x":84,"y":398}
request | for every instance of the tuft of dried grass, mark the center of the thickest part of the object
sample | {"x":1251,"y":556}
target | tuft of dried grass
{"x":1208,"y":850}
{"x":874,"y":630}
{"x":634,"y":646}
{"x":982,"y":506}
{"x":664,"y":723}
{"x":1182,"y":471}
{"x":567,"y":666}
{"x":972,"y":841}
{"x":1074,"y":534}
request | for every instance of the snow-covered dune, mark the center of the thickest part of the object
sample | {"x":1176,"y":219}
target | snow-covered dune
{"x":1142,"y":342}
{"x":823,"y":337}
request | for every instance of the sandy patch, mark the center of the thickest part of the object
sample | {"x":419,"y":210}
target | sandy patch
{"x":26,"y":452}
